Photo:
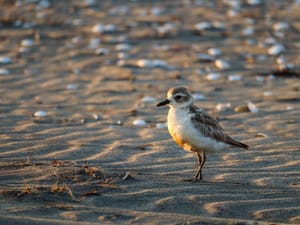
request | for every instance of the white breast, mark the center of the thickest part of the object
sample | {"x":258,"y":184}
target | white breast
{"x":180,"y":124}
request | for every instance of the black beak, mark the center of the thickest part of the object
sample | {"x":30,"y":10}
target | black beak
{"x":164,"y":102}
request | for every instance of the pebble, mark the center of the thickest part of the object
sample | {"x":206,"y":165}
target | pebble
{"x":139,"y":123}
{"x":5,"y":60}
{"x":40,"y":113}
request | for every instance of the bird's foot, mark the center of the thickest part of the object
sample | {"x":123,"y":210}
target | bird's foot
{"x":193,"y":179}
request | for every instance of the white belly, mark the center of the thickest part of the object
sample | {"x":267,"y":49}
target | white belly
{"x":187,"y":136}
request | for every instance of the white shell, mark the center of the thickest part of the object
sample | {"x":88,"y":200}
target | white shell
{"x":123,"y":47}
{"x":102,"y":51}
{"x":5,"y":60}
{"x":139,"y":123}
{"x":203,"y":26}
{"x":276,"y":49}
{"x":149,"y":99}
{"x":205,"y":57}
{"x":40,"y":113}
{"x":254,"y":2}
{"x":27,"y":43}
{"x":268,"y":93}
{"x":234,"y":77}
{"x":213,"y":76}
{"x":72,"y":86}
{"x":222,"y":64}
{"x":198,"y":96}
{"x":94,"y":43}
{"x":214,"y":51}
{"x":43,"y":4}
{"x":98,"y":28}
{"x":281,"y":26}
{"x":223,"y":106}
{"x":161,"y":125}
{"x":252,"y":107}
{"x":4,"y":71}
{"x":248,"y":31}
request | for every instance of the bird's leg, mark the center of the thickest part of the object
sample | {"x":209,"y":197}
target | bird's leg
{"x":201,"y":160}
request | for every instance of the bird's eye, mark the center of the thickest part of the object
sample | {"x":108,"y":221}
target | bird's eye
{"x":178,"y":97}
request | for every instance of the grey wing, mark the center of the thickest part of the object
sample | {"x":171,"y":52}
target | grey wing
{"x":210,"y":127}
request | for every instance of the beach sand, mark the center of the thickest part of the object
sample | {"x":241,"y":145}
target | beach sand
{"x":75,"y":78}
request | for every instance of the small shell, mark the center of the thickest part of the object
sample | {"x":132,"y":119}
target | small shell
{"x":4,"y":71}
{"x":268,"y":93}
{"x":203,"y":26}
{"x":248,"y":31}
{"x":40,"y":113}
{"x":95,"y":116}
{"x":123,"y":47}
{"x":123,"y":55}
{"x":223,"y":106}
{"x":161,"y":125}
{"x":27,"y":43}
{"x":94,"y":43}
{"x":262,"y":135}
{"x":289,"y":107}
{"x":254,"y":2}
{"x":139,"y":123}
{"x":242,"y":108}
{"x":276,"y":49}
{"x":102,"y":51}
{"x":281,"y":26}
{"x":213,"y":76}
{"x":43,"y":4}
{"x":234,"y":77}
{"x":205,"y":57}
{"x":5,"y":60}
{"x":198,"y":96}
{"x":98,"y":28}
{"x":252,"y":107}
{"x":72,"y":86}
{"x":222,"y":64}
{"x":149,"y":99}
{"x":144,"y":63}
{"x":214,"y":51}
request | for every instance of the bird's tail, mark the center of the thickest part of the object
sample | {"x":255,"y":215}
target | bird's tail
{"x":233,"y":142}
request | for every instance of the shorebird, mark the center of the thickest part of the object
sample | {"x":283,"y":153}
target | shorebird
{"x":193,"y":129}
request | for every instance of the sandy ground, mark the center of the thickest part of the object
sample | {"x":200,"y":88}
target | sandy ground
{"x":83,"y":161}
